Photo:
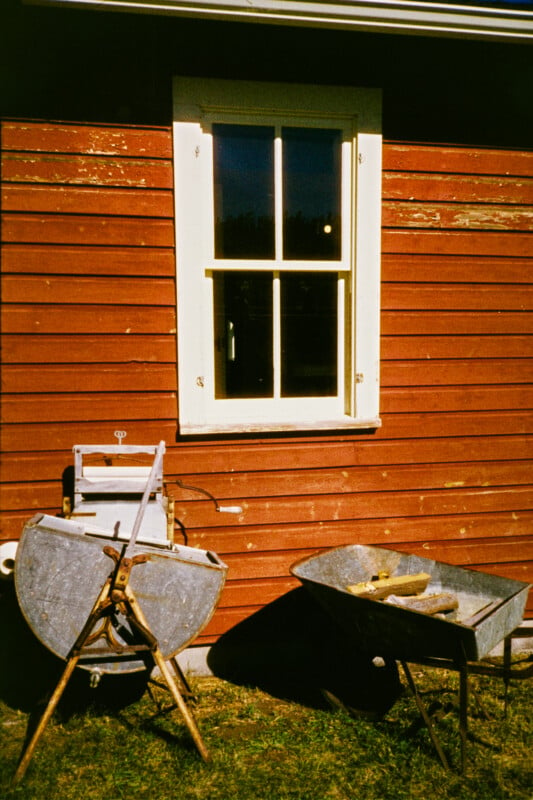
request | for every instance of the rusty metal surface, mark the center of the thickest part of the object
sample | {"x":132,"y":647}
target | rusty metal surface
{"x":490,"y":607}
{"x":60,"y":571}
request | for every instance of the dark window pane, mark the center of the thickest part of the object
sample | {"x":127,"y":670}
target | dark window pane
{"x":244,"y":191}
{"x":308,"y":334}
{"x":243,"y":334}
{"x":311,"y":193}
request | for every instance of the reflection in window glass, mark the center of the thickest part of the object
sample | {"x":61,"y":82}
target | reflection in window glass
{"x":243,"y":334}
{"x":244,"y":191}
{"x":311,"y":193}
{"x":308,"y":334}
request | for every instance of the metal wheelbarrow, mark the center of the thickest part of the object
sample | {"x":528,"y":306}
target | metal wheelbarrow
{"x":488,"y":609}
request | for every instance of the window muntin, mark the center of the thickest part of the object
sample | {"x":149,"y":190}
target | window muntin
{"x":333,"y":383}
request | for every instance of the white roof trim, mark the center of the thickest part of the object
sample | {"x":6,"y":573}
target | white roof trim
{"x":380,"y":16}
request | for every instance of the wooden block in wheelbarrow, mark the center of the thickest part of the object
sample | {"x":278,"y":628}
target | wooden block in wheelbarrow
{"x":426,"y":603}
{"x":399,"y":585}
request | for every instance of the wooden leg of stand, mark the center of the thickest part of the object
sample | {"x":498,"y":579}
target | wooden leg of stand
{"x":183,"y":683}
{"x":165,"y":672}
{"x":49,"y":710}
{"x":182,"y":705}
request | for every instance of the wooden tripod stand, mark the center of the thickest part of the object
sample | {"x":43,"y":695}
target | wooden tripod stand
{"x":116,"y":596}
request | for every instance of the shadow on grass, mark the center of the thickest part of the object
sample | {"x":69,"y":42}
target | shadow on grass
{"x":292,"y":650}
{"x":289,"y":649}
{"x":29,"y":672}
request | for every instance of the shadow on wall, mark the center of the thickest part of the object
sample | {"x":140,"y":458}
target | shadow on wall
{"x":291,"y":650}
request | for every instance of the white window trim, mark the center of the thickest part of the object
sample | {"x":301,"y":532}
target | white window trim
{"x":197,"y":101}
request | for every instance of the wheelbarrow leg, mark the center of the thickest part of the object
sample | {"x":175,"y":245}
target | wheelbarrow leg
{"x":425,"y":715}
{"x":463,"y":711}
{"x":507,"y":654}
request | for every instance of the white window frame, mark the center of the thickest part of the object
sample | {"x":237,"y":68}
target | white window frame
{"x":198,"y":103}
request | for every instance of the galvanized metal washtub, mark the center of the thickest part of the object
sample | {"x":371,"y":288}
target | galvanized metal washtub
{"x":490,"y":607}
{"x":60,"y":570}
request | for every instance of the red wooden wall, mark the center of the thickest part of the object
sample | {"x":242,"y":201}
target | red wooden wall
{"x":89,"y":324}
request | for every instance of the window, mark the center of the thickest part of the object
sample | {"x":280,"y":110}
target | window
{"x":278,"y":194}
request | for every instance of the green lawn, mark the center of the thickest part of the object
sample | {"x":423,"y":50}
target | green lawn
{"x":269,"y":748}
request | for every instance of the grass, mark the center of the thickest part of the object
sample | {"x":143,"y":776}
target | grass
{"x":263,"y":747}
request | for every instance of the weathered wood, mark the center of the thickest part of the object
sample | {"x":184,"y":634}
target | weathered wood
{"x":86,"y":260}
{"x":441,"y":372}
{"x":86,"y":171}
{"x":352,"y":451}
{"x":87,"y":200}
{"x":426,"y":604}
{"x":30,"y":289}
{"x":496,"y":550}
{"x":448,"y":424}
{"x":455,"y":297}
{"x":450,"y":398}
{"x":122,"y":140}
{"x":455,"y":540}
{"x":50,"y":349}
{"x":492,"y":538}
{"x":274,"y":564}
{"x":367,"y":505}
{"x":383,"y":587}
{"x":224,"y":620}
{"x":286,"y":483}
{"x":46,"y":349}
{"x":460,"y":243}
{"x":459,"y":160}
{"x":471,"y":347}
{"x":246,"y":592}
{"x":95,"y":319}
{"x":398,"y":427}
{"x":518,"y":570}
{"x":424,"y":268}
{"x":137,"y":377}
{"x":237,"y":457}
{"x":457,"y":216}
{"x":428,"y":187}
{"x":344,"y":501}
{"x":54,"y":228}
{"x":470,"y":323}
{"x":70,"y":407}
{"x":62,"y":436}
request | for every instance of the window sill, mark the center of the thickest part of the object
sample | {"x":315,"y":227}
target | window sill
{"x":282,"y":426}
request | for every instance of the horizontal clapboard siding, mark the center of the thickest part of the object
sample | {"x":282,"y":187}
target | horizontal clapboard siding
{"x":89,"y":346}
{"x":89,"y":299}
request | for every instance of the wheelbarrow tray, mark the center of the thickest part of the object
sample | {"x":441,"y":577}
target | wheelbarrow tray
{"x":490,"y":607}
{"x":60,"y":570}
